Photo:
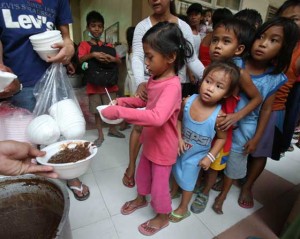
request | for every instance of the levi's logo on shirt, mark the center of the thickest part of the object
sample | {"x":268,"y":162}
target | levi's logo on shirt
{"x":25,"y":21}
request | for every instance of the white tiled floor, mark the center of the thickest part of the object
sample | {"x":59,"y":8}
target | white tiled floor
{"x":99,"y":216}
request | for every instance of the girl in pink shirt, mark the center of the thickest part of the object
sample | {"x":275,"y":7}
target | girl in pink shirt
{"x":166,"y":51}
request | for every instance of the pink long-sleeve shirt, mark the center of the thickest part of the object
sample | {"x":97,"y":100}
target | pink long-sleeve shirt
{"x":159,"y":135}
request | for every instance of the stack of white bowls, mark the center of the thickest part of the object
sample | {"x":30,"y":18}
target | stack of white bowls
{"x":42,"y":43}
{"x":69,"y":118}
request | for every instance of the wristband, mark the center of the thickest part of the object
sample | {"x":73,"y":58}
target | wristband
{"x":211,"y":157}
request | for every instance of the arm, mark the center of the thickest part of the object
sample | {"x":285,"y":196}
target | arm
{"x":194,"y":64}
{"x":156,"y":117}
{"x":219,"y":143}
{"x":138,"y":52}
{"x":255,"y":99}
{"x":264,"y":116}
{"x":16,"y":159}
{"x":181,"y":143}
{"x":66,"y":47}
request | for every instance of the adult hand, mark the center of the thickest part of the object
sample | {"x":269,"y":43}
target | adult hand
{"x":10,"y":90}
{"x":71,"y":68}
{"x":65,"y":53}
{"x":5,"y":68}
{"x":16,"y":158}
{"x":142,"y":91}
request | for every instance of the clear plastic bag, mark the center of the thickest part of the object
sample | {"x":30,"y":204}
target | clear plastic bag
{"x":53,"y":87}
{"x":55,"y":96}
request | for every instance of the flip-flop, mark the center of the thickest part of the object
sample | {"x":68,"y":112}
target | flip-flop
{"x":98,"y":142}
{"x":130,"y":207}
{"x":249,"y":203}
{"x":147,"y":230}
{"x":116,"y":134}
{"x":79,"y":189}
{"x":124,"y":128}
{"x":174,"y":217}
{"x":130,"y":180}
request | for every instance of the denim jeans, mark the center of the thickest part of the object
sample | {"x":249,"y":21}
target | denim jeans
{"x":24,"y":99}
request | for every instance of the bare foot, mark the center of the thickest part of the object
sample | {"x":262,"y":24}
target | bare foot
{"x":246,"y":198}
{"x":218,"y":205}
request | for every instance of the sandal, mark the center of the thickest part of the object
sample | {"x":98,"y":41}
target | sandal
{"x":290,"y":148}
{"x":75,"y":189}
{"x":174,"y":217}
{"x":128,"y":181}
{"x":148,"y":230}
{"x":127,"y":126}
{"x":199,"y":204}
{"x":98,"y":142}
{"x":130,"y":207}
{"x":217,"y":206}
{"x":116,"y":134}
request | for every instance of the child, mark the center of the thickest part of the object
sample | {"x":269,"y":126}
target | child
{"x":206,"y":26}
{"x":218,"y":15}
{"x":251,"y":16}
{"x":87,"y":52}
{"x":230,"y":39}
{"x":197,"y":128}
{"x":280,"y":111}
{"x":166,"y":51}
{"x":129,"y":85}
{"x":270,"y":54}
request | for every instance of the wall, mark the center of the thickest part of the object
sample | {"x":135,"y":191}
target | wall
{"x":262,"y":5}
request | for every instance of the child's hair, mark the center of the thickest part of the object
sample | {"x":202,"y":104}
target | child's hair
{"x":229,"y":68}
{"x":243,"y":31}
{"x":94,"y":16}
{"x":207,"y":10}
{"x":167,"y":39}
{"x":290,"y":37}
{"x":129,"y":37}
{"x":287,"y":4}
{"x":194,"y":7}
{"x":251,"y":16}
{"x":220,"y":14}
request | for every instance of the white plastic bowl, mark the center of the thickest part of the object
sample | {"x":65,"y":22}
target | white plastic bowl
{"x":67,"y":170}
{"x":108,"y":121}
{"x":5,"y":79}
{"x":44,"y":35}
{"x":43,"y":130}
{"x":45,"y":53}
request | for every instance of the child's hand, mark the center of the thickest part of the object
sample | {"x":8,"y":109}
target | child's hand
{"x":205,"y":163}
{"x":250,"y":146}
{"x":113,"y":102}
{"x":181,"y":147}
{"x":227,"y":121}
{"x":100,"y":56}
{"x":111,"y":112}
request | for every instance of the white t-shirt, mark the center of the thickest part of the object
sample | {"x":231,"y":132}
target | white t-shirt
{"x":140,"y":76}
